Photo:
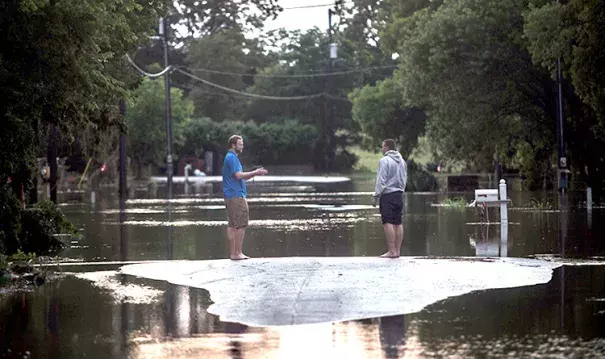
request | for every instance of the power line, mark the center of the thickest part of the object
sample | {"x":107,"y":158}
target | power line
{"x":314,"y":6}
{"x":161,"y":73}
{"x":230,"y":90}
{"x":319,"y":74}
{"x":284,"y":98}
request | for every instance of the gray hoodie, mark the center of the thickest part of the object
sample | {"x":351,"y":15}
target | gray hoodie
{"x":392,"y":174}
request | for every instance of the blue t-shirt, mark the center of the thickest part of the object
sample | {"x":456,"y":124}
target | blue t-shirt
{"x":232,"y":187}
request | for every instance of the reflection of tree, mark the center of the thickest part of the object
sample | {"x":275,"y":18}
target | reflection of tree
{"x":504,"y":314}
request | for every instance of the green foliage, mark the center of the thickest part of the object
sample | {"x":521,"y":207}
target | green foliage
{"x":146,"y":121}
{"x":31,"y":230}
{"x":61,"y":63}
{"x":447,"y":55}
{"x":10,"y":220}
{"x":40,"y":227}
{"x":545,"y":204}
{"x":368,"y":160}
{"x":419,"y":179}
{"x":265,"y":144}
{"x":202,"y":18}
{"x":21,"y":257}
{"x":455,"y":202}
{"x":574,"y":32}
{"x":379,"y":112}
{"x":483,"y":73}
{"x":223,"y":51}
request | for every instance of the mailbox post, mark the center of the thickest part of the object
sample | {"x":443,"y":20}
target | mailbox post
{"x":493,"y":198}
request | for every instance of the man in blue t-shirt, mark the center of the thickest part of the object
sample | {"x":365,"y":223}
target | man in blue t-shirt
{"x":234,"y":191}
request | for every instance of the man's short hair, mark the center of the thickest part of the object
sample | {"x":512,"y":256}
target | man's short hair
{"x":233,"y":140}
{"x":390,"y":143}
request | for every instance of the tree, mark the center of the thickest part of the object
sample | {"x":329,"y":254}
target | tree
{"x":301,"y":69}
{"x":218,"y":58}
{"x":574,"y":32}
{"x":61,"y":64}
{"x":202,"y":18}
{"x":378,"y":111}
{"x":466,"y":64}
{"x":146,"y":123}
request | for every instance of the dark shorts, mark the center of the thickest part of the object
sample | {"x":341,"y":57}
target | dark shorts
{"x":391,"y":207}
{"x":237,"y":212}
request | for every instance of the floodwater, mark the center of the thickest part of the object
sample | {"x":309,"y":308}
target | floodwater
{"x":93,"y":312}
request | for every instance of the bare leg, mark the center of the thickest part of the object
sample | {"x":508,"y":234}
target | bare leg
{"x":398,"y":238}
{"x":231,"y":239}
{"x":389,"y":232}
{"x":238,"y":243}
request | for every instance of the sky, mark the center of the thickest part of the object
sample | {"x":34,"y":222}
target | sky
{"x":301,"y":19}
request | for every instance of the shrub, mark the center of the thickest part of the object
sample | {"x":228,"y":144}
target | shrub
{"x":40,"y":227}
{"x":419,"y":179}
{"x":10,"y":220}
{"x":289,"y":142}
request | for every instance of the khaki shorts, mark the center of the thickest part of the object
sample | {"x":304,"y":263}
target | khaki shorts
{"x":237,"y":212}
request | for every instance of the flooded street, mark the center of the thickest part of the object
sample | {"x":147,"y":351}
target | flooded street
{"x":95,"y":312}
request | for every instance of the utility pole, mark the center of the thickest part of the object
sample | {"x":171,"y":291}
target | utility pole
{"x":163,"y":30}
{"x":51,"y":158}
{"x":332,"y":57}
{"x":562,"y":166}
{"x":123,"y":186}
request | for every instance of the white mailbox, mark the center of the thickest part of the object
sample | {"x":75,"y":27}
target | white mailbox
{"x":486,"y":196}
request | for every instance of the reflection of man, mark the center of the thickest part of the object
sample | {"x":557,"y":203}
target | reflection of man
{"x":234,"y":190}
{"x":392,"y":331}
{"x":390,"y":185}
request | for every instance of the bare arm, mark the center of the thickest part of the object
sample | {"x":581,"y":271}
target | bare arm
{"x":248,"y":175}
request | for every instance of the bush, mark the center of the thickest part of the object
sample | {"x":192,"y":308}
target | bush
{"x":10,"y":220}
{"x":40,"y":227}
{"x":31,"y":230}
{"x":419,"y":179}
{"x":289,"y":142}
{"x":456,"y":202}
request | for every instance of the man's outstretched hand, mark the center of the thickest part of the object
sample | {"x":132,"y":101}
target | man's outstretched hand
{"x":260,"y":172}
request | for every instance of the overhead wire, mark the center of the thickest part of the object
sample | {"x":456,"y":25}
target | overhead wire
{"x":228,"y":89}
{"x":143,"y":72}
{"x":313,"y":6}
{"x":319,"y":74}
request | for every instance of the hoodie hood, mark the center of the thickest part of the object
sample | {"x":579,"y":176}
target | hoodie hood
{"x":394,"y":155}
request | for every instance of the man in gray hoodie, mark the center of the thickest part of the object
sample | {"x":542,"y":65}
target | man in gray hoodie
{"x":390,"y":185}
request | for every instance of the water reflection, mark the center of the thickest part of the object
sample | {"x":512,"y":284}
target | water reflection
{"x":392,"y":335}
{"x":71,"y":318}
{"x":563,"y":215}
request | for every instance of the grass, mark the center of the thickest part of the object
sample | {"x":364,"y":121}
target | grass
{"x":368,"y":161}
